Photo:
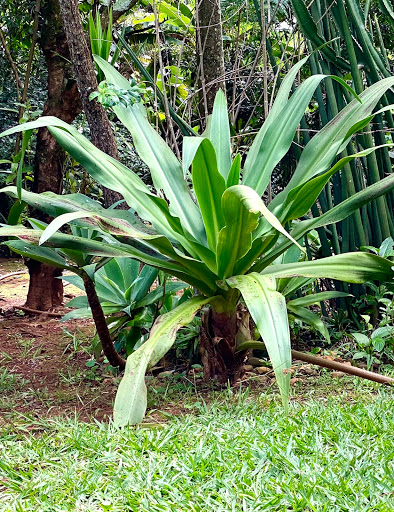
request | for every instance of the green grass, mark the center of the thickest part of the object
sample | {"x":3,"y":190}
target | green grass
{"x":238,"y":454}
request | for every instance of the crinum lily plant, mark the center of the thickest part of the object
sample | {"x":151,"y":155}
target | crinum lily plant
{"x":210,"y":228}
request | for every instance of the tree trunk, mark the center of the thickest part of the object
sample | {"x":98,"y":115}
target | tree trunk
{"x":100,"y":128}
{"x":45,"y":290}
{"x":101,"y":325}
{"x":219,"y":336}
{"x":210,"y":53}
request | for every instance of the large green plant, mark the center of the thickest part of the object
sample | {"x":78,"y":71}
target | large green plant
{"x":212,"y":230}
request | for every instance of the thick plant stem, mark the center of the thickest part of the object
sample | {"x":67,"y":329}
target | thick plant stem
{"x":221,"y":331}
{"x":101,"y":325}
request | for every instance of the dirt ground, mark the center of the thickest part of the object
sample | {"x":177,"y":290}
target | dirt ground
{"x":43,"y":360}
{"x":43,"y":364}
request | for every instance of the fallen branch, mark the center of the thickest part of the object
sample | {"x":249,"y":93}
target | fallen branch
{"x":38,"y":312}
{"x":13,"y":274}
{"x":335,"y":365}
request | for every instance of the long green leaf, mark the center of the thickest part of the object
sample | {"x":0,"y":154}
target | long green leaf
{"x":279,"y":135}
{"x":269,"y":149}
{"x":190,"y":146}
{"x":157,"y":294}
{"x":108,"y":172}
{"x":220,"y":134}
{"x":352,"y":267}
{"x":143,"y":284}
{"x":336,"y":214}
{"x":268,"y":310}
{"x":209,"y":186}
{"x":131,"y":398}
{"x":387,"y":9}
{"x":43,"y":254}
{"x":165,"y":169}
{"x":302,"y":198}
{"x":241,"y":208}
{"x":122,"y":227}
{"x":309,"y":318}
{"x":235,"y":172}
{"x":309,"y":29}
{"x":114,"y":249}
{"x":315,"y":298}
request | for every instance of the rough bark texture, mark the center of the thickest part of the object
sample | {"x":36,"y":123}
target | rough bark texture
{"x":101,"y":325}
{"x":100,"y":128}
{"x":45,"y":290}
{"x":218,"y":341}
{"x":210,"y":53}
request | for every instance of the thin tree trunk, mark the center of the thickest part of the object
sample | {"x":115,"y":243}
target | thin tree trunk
{"x":45,"y":289}
{"x":19,"y":85}
{"x":28,"y":70}
{"x":100,"y":128}
{"x":101,"y":325}
{"x":210,"y":53}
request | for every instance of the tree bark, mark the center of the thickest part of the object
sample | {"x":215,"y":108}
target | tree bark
{"x":101,"y":325}
{"x":100,"y":128}
{"x":45,"y":290}
{"x":210,"y":53}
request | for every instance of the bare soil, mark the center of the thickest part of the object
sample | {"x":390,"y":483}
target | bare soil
{"x":48,"y":373}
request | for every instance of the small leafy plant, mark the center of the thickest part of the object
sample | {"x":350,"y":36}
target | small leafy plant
{"x":110,"y":95}
{"x":376,"y":345}
{"x":128,"y":302}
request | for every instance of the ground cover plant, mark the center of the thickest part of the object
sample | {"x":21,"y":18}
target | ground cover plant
{"x":238,"y":452}
{"x":211,"y":231}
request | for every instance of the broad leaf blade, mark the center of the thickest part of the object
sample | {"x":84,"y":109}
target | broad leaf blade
{"x":268,"y":310}
{"x":189,"y":149}
{"x":165,"y":169}
{"x":131,"y":398}
{"x":43,"y":254}
{"x":241,"y":210}
{"x":315,"y":298}
{"x":242,"y":207}
{"x":336,"y":214}
{"x":325,"y":145}
{"x":269,"y":149}
{"x":300,"y":199}
{"x":235,"y":172}
{"x":306,"y":316}
{"x":352,"y":267}
{"x":209,"y":186}
{"x":220,"y":134}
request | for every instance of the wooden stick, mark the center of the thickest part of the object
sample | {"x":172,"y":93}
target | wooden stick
{"x":335,"y":365}
{"x":13,"y":274}
{"x":38,"y":312}
{"x":12,"y":63}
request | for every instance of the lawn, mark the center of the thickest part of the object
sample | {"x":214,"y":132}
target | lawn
{"x":237,"y":452}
